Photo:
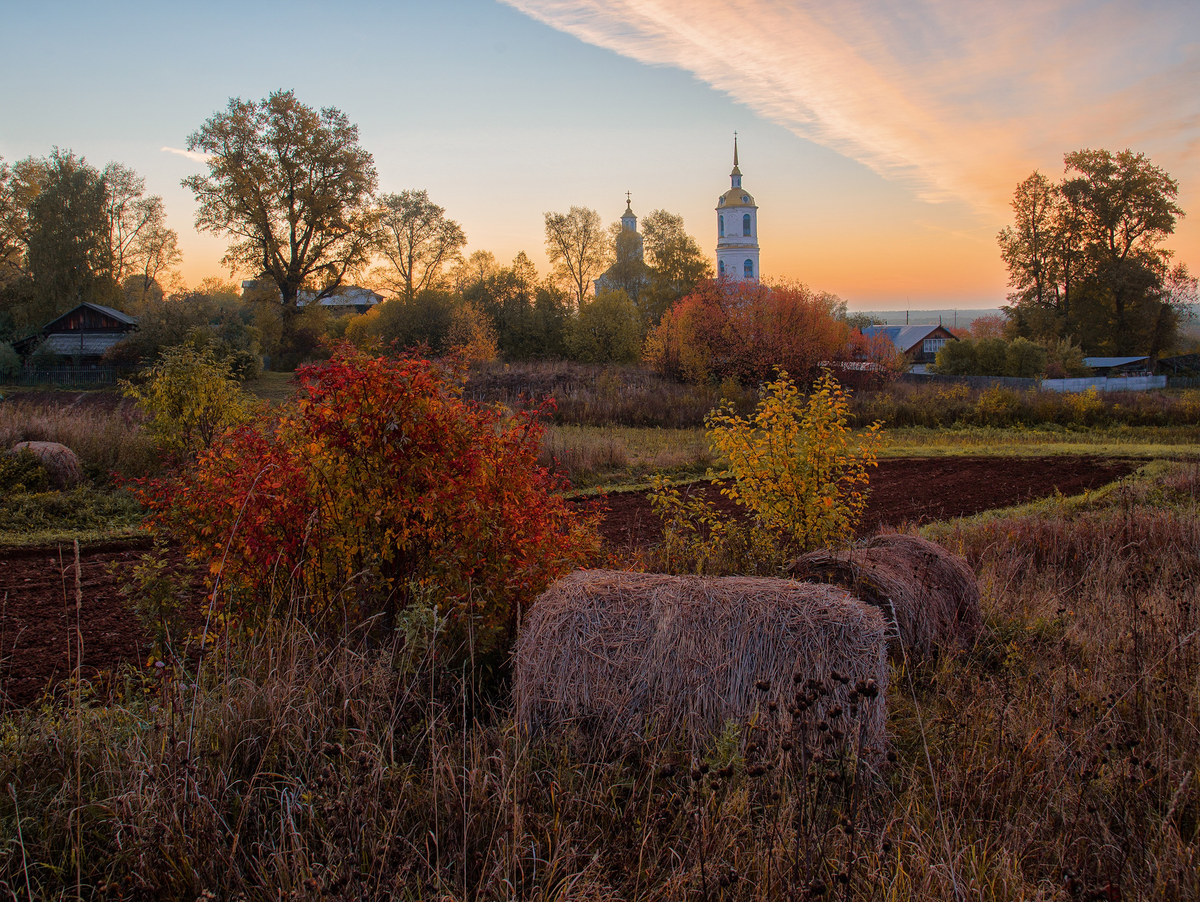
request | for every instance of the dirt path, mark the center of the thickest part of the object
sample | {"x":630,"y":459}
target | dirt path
{"x":37,"y":586}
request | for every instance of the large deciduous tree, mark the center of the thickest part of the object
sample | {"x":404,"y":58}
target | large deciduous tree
{"x":578,"y":247}
{"x":1086,"y":259}
{"x":139,"y":245}
{"x":67,"y":237}
{"x":417,"y":241}
{"x":292,"y":187}
{"x":677,"y":264}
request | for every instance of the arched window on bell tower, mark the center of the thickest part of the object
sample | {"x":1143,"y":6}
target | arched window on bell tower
{"x":746,"y":225}
{"x":721,"y":267}
{"x":749,"y":268}
{"x":721,"y":226}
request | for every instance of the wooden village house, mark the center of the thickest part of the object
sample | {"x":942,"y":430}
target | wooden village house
{"x":919,"y":344}
{"x":81,"y":335}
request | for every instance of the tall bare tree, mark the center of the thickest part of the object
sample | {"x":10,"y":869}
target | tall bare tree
{"x":417,"y":240}
{"x":579,"y":248}
{"x":139,"y":242}
{"x":155,"y":253}
{"x":294,"y":190}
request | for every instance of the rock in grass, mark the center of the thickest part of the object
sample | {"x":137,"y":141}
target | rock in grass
{"x":61,"y":463}
{"x":929,"y":595}
{"x":628,"y":655}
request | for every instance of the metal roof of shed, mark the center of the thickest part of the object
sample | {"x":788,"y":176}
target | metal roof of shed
{"x":66,"y":344}
{"x":123,"y":318}
{"x":115,"y":314}
{"x":1102,"y":362}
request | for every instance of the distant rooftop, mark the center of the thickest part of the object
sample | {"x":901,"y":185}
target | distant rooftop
{"x":903,"y":337}
{"x":1106,"y":362}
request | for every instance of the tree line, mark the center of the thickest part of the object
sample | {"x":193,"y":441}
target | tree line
{"x":297,"y":197}
{"x":71,"y":233}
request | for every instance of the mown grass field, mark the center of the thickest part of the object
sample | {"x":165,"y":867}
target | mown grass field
{"x":1152,"y":442}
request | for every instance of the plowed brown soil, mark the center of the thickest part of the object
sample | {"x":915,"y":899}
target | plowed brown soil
{"x":903,"y":490}
{"x":38,"y":620}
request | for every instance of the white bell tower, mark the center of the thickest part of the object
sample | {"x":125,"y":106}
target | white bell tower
{"x":737,"y":229}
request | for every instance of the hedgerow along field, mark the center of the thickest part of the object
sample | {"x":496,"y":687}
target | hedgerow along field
{"x":355,"y":766}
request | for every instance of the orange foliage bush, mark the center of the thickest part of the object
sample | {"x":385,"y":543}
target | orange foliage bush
{"x":748,"y":330}
{"x":378,"y":489}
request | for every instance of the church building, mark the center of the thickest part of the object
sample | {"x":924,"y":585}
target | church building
{"x":737,"y":229}
{"x":629,"y":272}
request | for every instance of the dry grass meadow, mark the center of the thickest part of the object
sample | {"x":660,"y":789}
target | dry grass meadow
{"x":1056,"y":758}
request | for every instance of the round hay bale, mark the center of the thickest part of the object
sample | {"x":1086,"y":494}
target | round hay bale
{"x":929,"y":596}
{"x":628,"y":655}
{"x":61,"y":463}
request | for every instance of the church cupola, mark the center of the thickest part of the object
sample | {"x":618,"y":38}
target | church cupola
{"x":628,"y":219}
{"x":737,"y":229}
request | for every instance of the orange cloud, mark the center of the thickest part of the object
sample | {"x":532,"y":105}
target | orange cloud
{"x":957,"y":100}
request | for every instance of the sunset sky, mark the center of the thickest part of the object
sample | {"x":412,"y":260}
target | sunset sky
{"x":881,"y":140}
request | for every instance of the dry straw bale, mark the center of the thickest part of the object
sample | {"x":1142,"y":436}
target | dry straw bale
{"x":929,"y":596}
{"x":61,"y":463}
{"x":624,"y":655}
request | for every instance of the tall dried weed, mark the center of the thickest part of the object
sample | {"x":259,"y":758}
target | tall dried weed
{"x":104,"y":431}
{"x":1056,"y":760}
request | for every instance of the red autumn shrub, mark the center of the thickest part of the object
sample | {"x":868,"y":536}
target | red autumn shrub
{"x":748,"y":330}
{"x":376,"y":490}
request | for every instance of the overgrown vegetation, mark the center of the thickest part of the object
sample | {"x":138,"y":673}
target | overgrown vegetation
{"x":108,"y":441}
{"x":1057,"y":760}
{"x":633,"y":396}
{"x":375,"y":495}
{"x":106,"y":434}
{"x":795,"y":465}
{"x":940,"y":406}
{"x":189,"y":398}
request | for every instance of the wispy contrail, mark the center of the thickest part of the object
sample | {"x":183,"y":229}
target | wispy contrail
{"x":190,"y":154}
